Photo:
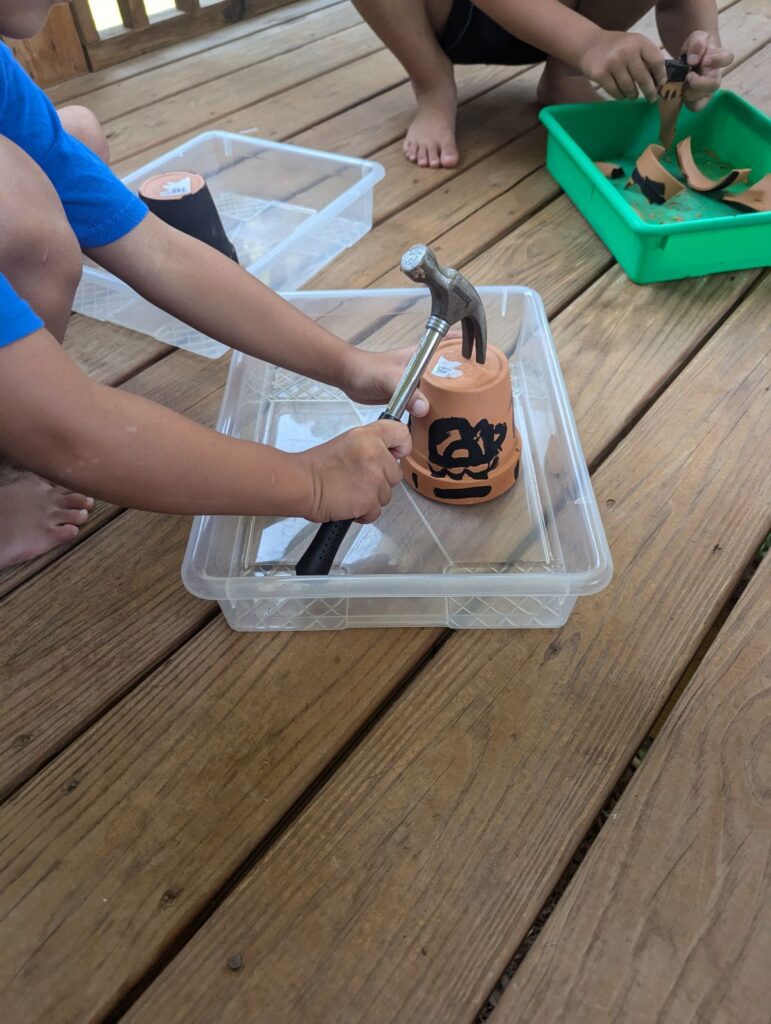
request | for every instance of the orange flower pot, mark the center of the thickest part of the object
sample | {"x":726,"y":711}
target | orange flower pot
{"x":467,"y":449}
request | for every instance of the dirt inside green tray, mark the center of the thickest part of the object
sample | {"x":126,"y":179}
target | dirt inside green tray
{"x":687,"y":205}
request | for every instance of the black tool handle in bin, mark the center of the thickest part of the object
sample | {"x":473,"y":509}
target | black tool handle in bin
{"x":322,"y":550}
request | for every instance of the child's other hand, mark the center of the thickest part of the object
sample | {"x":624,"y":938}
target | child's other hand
{"x":372,"y":377}
{"x":352,"y":476}
{"x":707,"y":60}
{"x":622,"y":63}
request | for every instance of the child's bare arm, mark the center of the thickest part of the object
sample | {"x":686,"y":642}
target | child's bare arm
{"x":117,"y":446}
{"x":621,"y":62}
{"x":691,"y":27}
{"x":199,"y":285}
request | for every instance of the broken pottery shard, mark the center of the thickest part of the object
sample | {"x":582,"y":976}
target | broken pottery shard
{"x":609,"y":170}
{"x":699,"y":181}
{"x":671,"y":99}
{"x":756,"y":199}
{"x":655,"y":182}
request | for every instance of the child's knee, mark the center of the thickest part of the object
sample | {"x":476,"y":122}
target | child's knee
{"x":84,"y":125}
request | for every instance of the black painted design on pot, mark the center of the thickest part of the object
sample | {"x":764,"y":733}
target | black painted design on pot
{"x":456,"y":449}
{"x":457,"y":494}
{"x":652,"y":190}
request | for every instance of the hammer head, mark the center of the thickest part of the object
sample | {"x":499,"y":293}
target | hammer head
{"x":453,"y":298}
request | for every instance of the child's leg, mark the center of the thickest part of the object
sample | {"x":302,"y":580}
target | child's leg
{"x":562,"y":84}
{"x":409,"y":28}
{"x":41,"y":258}
{"x":84,"y":125}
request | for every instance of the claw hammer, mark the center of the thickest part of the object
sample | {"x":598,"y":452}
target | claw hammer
{"x":453,"y":300}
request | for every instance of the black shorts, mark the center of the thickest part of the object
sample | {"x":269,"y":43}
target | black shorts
{"x":472,"y":37}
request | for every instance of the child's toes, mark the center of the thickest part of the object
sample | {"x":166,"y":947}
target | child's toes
{"x":71,"y":499}
{"x":449,"y":155}
{"x":409,"y":149}
{"x":422,"y":156}
{"x":76,"y":516}
{"x":433,"y":154}
{"x":63,"y":533}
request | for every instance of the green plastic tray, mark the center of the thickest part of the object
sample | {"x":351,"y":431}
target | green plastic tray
{"x":691,"y":234}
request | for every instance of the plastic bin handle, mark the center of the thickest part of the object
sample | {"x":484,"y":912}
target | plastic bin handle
{"x":322,"y":550}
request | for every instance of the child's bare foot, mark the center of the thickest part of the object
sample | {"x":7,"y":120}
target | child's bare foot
{"x":36,"y":516}
{"x":430,"y":141}
{"x":562,"y":84}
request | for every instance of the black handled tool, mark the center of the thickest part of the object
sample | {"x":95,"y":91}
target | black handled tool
{"x":453,"y":299}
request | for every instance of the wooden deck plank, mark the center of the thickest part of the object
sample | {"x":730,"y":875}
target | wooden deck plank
{"x":22,"y":760}
{"x":217,"y":62}
{"x":193,"y":837}
{"x":377,"y":122}
{"x":27,"y":757}
{"x":107,"y":352}
{"x":669,"y":918}
{"x":402,"y":889}
{"x":144,"y":900}
{"x":80,"y":88}
{"x":142,"y":586}
{"x":236,"y":94}
{"x":475,"y":187}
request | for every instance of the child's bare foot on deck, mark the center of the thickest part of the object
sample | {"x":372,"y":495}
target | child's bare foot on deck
{"x":430,"y":141}
{"x":562,"y":84}
{"x":36,"y":516}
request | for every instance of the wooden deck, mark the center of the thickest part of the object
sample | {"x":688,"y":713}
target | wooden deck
{"x":205,"y":826}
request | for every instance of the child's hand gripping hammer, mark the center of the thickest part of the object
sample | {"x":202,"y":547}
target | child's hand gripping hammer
{"x":453,"y":299}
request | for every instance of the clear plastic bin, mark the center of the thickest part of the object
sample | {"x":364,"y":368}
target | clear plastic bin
{"x":518,"y":561}
{"x":289,"y":212}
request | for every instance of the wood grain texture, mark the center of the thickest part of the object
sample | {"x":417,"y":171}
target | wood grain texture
{"x":224,"y":98}
{"x":154,"y":86}
{"x":131,"y":608}
{"x":189,"y":831}
{"x":153,"y":807}
{"x":402,"y":889}
{"x":133,"y":13}
{"x":55,"y":53}
{"x":160,"y":33}
{"x":209,"y":722}
{"x":84,"y":21}
{"x":669,"y":918}
{"x":69,"y":91}
{"x":575,"y":263}
{"x":508,"y":170}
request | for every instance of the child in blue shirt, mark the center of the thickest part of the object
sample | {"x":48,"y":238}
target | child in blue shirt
{"x":79,"y":439}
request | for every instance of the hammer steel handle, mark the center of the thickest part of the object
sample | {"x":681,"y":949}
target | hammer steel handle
{"x":322,"y":550}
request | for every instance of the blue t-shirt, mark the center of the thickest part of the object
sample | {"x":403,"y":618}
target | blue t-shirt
{"x":98,"y":205}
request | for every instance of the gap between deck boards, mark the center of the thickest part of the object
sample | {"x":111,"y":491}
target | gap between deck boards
{"x":23,"y":574}
{"x":738,"y":301}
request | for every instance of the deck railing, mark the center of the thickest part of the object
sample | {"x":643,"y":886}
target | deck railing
{"x":141,"y":31}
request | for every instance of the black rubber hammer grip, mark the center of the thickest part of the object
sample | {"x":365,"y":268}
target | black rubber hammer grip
{"x":322,"y":550}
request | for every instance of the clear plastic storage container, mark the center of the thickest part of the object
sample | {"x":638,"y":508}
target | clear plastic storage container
{"x":518,"y":561}
{"x":289,"y":212}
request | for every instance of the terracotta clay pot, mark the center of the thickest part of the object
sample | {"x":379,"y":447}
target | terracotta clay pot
{"x":182,"y":199}
{"x":467,"y":449}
